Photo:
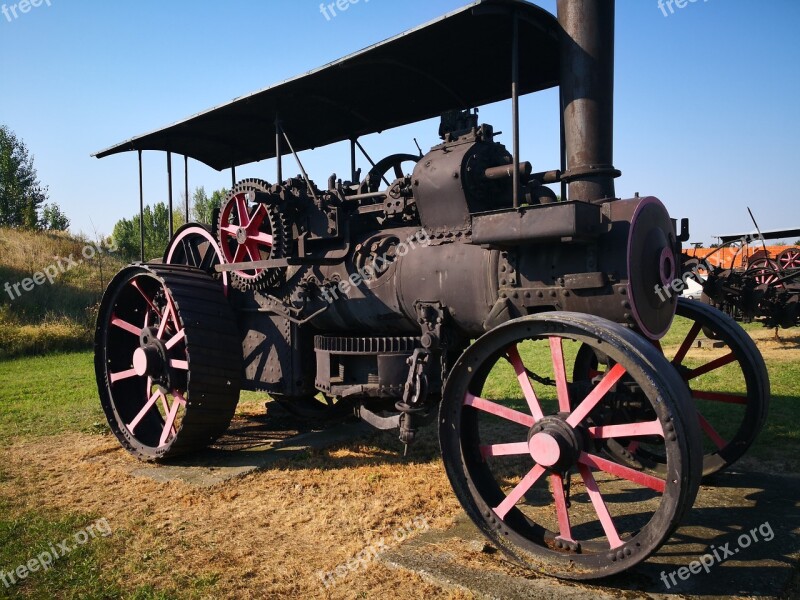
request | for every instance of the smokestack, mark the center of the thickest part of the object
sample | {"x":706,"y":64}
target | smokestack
{"x":587,"y":97}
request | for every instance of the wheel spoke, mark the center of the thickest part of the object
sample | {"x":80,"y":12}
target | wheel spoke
{"x":231,"y":230}
{"x":562,"y":512}
{"x":514,"y":449}
{"x":135,"y":285}
{"x":240,"y":254}
{"x":525,"y":383}
{"x":557,"y":352}
{"x":518,"y":492}
{"x":600,"y":507}
{"x":175,"y":339}
{"x":125,"y":326}
{"x":654,"y":483}
{"x":687,"y":343}
{"x":629,"y":430}
{"x":147,"y":407}
{"x":713,"y":365}
{"x":177,"y":402}
{"x":115,"y":377}
{"x":253,"y":250}
{"x":241,"y":210}
{"x":596,"y":395}
{"x":498,"y":410}
{"x":207,"y":262}
{"x":183,"y":365}
{"x":262,"y":238}
{"x":162,"y":328}
{"x":717,"y":397}
{"x":712,"y":433}
{"x":256,"y":219}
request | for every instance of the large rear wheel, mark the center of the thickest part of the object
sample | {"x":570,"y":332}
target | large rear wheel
{"x":167,"y":360}
{"x":726,"y":378}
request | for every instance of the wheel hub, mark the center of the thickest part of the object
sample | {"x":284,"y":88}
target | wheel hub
{"x":554,"y":444}
{"x":150,"y":358}
{"x":241,"y":236}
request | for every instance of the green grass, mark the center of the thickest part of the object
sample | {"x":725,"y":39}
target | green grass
{"x":48,"y":395}
{"x":54,"y":394}
{"x":25,"y":536}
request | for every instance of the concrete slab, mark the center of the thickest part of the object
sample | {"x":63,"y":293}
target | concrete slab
{"x":253,"y":442}
{"x":736,"y":504}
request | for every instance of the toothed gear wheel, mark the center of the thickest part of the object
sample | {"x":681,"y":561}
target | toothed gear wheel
{"x":252,"y":231}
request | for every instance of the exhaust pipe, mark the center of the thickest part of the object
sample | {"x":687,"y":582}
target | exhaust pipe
{"x":587,"y":97}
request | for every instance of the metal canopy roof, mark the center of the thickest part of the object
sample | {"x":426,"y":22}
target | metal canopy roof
{"x":773,"y":234}
{"x":459,"y":61}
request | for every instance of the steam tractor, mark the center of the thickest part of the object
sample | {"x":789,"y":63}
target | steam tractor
{"x":576,"y":418}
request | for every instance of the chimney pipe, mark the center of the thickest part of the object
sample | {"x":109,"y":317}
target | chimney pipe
{"x":587,"y":97}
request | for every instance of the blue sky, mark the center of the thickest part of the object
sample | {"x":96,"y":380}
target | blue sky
{"x":706,"y":98}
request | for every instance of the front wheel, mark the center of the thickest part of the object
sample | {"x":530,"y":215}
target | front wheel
{"x":522,"y":445}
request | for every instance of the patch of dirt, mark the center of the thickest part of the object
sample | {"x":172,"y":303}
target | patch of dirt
{"x":273,"y":533}
{"x":784,"y":348}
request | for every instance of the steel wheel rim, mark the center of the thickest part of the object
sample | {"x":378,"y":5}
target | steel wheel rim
{"x":195,"y":246}
{"x":497,"y":511}
{"x":147,"y":390}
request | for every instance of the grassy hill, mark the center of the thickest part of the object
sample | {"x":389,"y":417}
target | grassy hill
{"x":50,"y":286}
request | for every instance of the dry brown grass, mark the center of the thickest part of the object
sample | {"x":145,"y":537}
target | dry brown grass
{"x":57,"y":315}
{"x":267,"y":535}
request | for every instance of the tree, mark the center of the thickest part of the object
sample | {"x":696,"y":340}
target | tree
{"x":53,"y":218}
{"x":156,"y":232}
{"x":21,"y":193}
{"x":204,"y":207}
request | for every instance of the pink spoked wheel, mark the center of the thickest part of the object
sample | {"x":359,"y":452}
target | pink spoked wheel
{"x":194,"y":245}
{"x":250,"y":231}
{"x":727,"y":381}
{"x":789,"y":259}
{"x":522,"y":445}
{"x":764,"y":272}
{"x":167,"y":360}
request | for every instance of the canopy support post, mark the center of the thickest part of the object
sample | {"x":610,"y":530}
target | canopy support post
{"x":278,"y":150}
{"x":141,"y":208}
{"x":169,"y":194}
{"x":515,"y":104}
{"x":186,"y":183}
{"x":353,"y":161}
{"x":233,"y":176}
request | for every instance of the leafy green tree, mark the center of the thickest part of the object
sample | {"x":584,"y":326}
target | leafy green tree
{"x":204,"y":206}
{"x":21,"y":193}
{"x":53,"y":218}
{"x":156,"y":232}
